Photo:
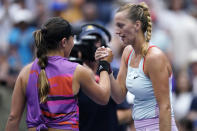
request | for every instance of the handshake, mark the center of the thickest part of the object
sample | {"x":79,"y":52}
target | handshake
{"x":104,"y":54}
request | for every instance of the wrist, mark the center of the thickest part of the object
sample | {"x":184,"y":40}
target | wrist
{"x":104,"y":66}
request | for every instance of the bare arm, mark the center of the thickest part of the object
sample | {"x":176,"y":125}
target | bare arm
{"x":159,"y":71}
{"x":99,"y":93}
{"x":18,"y":101}
{"x":118,"y":89}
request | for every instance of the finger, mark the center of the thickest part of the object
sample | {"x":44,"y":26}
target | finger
{"x":101,"y":48}
{"x":100,"y":56}
{"x":101,"y":52}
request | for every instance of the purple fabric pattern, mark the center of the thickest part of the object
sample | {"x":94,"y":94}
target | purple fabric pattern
{"x":60,"y":112}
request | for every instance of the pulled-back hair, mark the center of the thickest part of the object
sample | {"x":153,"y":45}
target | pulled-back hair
{"x":48,"y":38}
{"x":140,"y":12}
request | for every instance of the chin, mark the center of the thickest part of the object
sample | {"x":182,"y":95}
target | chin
{"x":126,"y":43}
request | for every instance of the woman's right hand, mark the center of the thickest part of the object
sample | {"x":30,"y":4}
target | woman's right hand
{"x":103,"y":53}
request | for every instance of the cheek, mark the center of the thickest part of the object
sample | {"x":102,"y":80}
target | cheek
{"x":129,"y":32}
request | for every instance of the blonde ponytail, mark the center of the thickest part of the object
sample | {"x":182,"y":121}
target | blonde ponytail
{"x":148,"y":32}
{"x":149,"y":22}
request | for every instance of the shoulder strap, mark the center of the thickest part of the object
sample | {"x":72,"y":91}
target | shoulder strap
{"x":128,"y":59}
{"x":147,"y":51}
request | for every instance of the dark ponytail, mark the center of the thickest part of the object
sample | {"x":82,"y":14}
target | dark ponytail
{"x":48,"y":38}
{"x":43,"y":84}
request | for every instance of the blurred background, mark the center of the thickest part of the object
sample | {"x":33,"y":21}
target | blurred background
{"x":174,"y":32}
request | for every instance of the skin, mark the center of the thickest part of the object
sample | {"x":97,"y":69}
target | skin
{"x":83,"y":78}
{"x":156,"y":67}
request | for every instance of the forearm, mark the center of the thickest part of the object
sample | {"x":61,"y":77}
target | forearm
{"x":118,"y":92}
{"x":165,"y":119}
{"x":104,"y":82}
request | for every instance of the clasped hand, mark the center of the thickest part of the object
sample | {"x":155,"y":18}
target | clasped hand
{"x":103,"y":53}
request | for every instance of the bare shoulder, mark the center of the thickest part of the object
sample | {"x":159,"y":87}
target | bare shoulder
{"x":21,"y":82}
{"x":83,"y":72}
{"x":156,"y":59}
{"x":25,"y":71}
{"x":154,"y":54}
{"x":83,"y":77}
{"x":24,"y":74}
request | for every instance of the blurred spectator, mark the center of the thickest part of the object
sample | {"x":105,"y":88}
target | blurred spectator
{"x":5,"y":24}
{"x":15,"y":6}
{"x":90,"y":14}
{"x":72,"y":10}
{"x":59,"y":6}
{"x":41,"y":13}
{"x":183,"y":95}
{"x":192,"y":115}
{"x":181,"y":28}
{"x":117,"y":47}
{"x":159,"y":36}
{"x":192,"y":60}
{"x":105,"y":10}
{"x":21,"y":36}
{"x":185,"y":125}
{"x":3,"y":69}
{"x":193,"y":8}
{"x":14,"y":65}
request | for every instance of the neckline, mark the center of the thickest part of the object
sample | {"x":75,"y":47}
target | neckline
{"x":57,"y":57}
{"x":138,"y":65}
{"x":129,"y":61}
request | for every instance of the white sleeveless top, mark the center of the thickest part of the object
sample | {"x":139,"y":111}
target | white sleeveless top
{"x":137,"y":83}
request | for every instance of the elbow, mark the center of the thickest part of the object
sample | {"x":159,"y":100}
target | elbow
{"x":13,"y":119}
{"x":12,"y":122}
{"x":118,"y":100}
{"x":104,"y":100}
{"x":105,"y":97}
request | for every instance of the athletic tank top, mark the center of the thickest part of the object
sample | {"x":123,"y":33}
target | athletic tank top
{"x":61,"y":109}
{"x":145,"y":105}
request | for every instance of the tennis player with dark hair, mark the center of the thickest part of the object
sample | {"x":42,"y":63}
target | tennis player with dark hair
{"x":49,"y":85}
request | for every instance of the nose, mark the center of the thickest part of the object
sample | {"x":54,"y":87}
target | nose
{"x":117,"y":31}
